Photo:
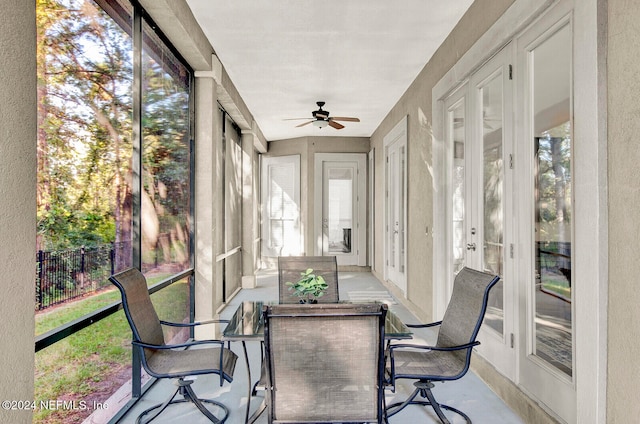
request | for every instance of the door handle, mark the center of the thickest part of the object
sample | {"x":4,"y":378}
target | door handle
{"x":471,"y":246}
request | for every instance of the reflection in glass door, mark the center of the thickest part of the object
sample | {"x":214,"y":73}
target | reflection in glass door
{"x":337,"y":217}
{"x":491,"y":95}
{"x":551,"y":145}
{"x":456,"y":135}
{"x":547,"y":353}
{"x":340,"y":207}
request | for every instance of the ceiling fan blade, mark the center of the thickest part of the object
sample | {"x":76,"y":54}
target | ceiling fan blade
{"x":344,"y":118}
{"x":336,"y":125}
{"x":293,"y":119}
{"x":303,"y":124}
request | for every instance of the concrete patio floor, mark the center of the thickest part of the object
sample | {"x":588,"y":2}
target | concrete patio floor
{"x":468,"y":394}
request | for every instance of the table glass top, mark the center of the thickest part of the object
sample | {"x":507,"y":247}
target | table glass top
{"x":247,"y":323}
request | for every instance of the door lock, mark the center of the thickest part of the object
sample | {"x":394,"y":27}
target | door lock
{"x":471,"y":246}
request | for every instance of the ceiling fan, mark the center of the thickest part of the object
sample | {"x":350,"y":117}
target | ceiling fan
{"x":321,"y":119}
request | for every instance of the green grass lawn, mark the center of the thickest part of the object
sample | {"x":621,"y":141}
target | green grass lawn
{"x":558,"y":285}
{"x":91,"y":363}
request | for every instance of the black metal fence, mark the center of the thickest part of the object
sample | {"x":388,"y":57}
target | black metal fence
{"x":64,"y":275}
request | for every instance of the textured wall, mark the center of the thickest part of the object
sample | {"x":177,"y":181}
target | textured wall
{"x":17,"y":203}
{"x":624,"y":204}
{"x":416,"y":103}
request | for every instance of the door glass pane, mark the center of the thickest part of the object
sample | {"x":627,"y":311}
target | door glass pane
{"x":552,"y":200}
{"x":400,"y":214}
{"x":393,"y":218}
{"x":493,"y":176}
{"x":339,"y":209}
{"x":456,"y":125}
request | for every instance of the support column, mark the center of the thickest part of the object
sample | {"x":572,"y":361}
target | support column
{"x":18,"y":136}
{"x":250,"y":234}
{"x":208,"y":242}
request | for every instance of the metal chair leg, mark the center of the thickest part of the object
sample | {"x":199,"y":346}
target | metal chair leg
{"x":423,"y":388}
{"x":188,"y":395}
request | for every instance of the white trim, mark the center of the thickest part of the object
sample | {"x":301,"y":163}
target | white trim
{"x":590,"y":190}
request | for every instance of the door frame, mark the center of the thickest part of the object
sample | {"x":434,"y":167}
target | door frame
{"x":359,"y":242}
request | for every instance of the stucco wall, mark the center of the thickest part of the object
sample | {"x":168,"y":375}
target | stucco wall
{"x":17,"y":204}
{"x":624,"y":204}
{"x":416,"y":104}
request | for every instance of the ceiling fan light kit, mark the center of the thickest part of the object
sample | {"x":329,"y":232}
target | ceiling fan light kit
{"x":321,"y":119}
{"x":320,"y":123}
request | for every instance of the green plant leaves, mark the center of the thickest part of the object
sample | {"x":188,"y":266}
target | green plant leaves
{"x":310,"y":286}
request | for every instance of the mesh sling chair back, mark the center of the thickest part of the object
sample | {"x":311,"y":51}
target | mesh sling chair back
{"x":163,"y":360}
{"x":450,"y":358}
{"x":325,"y":363}
{"x":291,"y":267}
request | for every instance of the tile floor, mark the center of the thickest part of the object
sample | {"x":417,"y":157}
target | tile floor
{"x":469,"y":394}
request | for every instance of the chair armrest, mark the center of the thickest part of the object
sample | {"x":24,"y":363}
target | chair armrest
{"x":436,"y":348}
{"x":431,"y":324}
{"x":193,"y":324}
{"x":175,"y":346}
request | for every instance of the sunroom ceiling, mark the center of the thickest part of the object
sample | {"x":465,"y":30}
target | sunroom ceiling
{"x":359,"y":56}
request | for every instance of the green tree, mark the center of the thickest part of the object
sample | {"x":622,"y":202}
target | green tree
{"x":84,"y":137}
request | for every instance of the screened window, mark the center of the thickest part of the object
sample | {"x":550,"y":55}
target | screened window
{"x":114,"y":187}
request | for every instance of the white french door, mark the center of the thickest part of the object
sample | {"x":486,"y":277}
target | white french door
{"x":340,"y":207}
{"x":479,"y":134}
{"x":395,"y":145}
{"x":509,"y":206}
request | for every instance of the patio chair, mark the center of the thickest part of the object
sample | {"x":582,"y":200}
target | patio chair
{"x":325,"y":363}
{"x":176,"y":361}
{"x":290,"y":268}
{"x":449,"y":359}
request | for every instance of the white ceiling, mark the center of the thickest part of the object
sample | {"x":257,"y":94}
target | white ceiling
{"x":359,"y":56}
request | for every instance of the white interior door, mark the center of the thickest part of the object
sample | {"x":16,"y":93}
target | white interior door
{"x":341,"y":207}
{"x":395,"y":205}
{"x":281,"y":233}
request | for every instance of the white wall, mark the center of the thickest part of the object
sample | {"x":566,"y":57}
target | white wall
{"x":17,"y":204}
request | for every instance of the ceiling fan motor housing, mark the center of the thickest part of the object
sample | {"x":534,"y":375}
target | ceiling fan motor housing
{"x":320,"y":114}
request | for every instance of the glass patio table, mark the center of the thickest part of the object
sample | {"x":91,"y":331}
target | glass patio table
{"x":247,"y":324}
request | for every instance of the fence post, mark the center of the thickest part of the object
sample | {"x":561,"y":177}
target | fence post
{"x":40,"y":273}
{"x":82,"y":268}
{"x":112,"y":257}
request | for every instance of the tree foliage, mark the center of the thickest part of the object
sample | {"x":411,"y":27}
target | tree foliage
{"x":84,"y":138}
{"x":85,"y":149}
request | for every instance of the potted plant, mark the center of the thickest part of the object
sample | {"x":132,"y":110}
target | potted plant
{"x":309,"y":287}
